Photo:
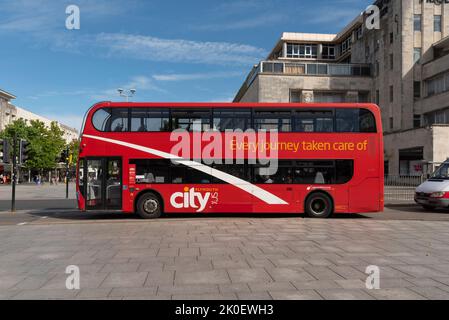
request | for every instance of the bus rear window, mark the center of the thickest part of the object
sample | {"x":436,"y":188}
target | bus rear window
{"x":355,"y":120}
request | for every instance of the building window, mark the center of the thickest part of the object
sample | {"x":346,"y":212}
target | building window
{"x":328,"y":52}
{"x":437,"y":23}
{"x":391,"y":123}
{"x":359,"y":33}
{"x":377,"y":68}
{"x":295,"y":96}
{"x":437,"y":117}
{"x":417,"y":22}
{"x":416,"y":121}
{"x":377,"y":97}
{"x":417,"y":89}
{"x":437,"y":85}
{"x":345,"y":46}
{"x":391,"y":94}
{"x":416,"y":55}
{"x":391,"y":37}
{"x":364,"y":97}
{"x":302,"y":50}
{"x":391,"y":61}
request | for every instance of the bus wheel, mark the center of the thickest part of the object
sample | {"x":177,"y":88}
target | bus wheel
{"x":149,"y":206}
{"x":319,"y":205}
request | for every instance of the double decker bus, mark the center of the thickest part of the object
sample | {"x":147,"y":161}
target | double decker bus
{"x":329,"y":159}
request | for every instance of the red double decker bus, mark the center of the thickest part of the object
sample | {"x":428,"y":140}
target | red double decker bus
{"x":329,"y":158}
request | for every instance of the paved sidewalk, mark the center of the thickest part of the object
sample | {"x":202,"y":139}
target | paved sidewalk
{"x":37,"y":192}
{"x":226,"y":258}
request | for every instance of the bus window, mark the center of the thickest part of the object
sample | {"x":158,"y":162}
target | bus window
{"x":191,"y":119}
{"x":355,"y":120}
{"x":273,"y":120}
{"x":119,"y":120}
{"x":232,"y":119}
{"x":237,"y":170}
{"x":367,"y":122}
{"x":314,"y":172}
{"x":151,"y":170}
{"x":101,"y":119}
{"x":81,"y":176}
{"x":307,"y":172}
{"x":344,"y":171}
{"x":314,"y":121}
{"x":149,"y":120}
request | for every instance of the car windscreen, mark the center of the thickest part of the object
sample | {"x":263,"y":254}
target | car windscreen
{"x":442,"y":172}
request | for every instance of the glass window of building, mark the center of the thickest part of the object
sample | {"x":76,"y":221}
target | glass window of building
{"x":416,"y":55}
{"x":417,"y":22}
{"x":328,"y":52}
{"x":437,"y":23}
{"x":302,"y":50}
{"x":417,"y":89}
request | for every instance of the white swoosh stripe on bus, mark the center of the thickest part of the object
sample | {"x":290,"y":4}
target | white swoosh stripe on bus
{"x":260,"y":193}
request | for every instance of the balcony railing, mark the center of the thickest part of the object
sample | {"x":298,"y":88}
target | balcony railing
{"x":309,"y":69}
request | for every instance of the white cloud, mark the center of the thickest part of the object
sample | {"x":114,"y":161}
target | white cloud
{"x":178,"y":50}
{"x":42,"y":22}
{"x":196,"y":76}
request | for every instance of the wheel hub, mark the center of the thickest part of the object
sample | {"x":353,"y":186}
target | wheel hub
{"x":150,"y":206}
{"x":318,"y":206}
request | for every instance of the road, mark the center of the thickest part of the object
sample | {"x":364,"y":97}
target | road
{"x":223,"y":256}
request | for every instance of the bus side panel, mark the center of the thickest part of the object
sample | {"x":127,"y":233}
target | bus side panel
{"x":284,"y":192}
{"x":365,"y":196}
{"x":341,"y":199}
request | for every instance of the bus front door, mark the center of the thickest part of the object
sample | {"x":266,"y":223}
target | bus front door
{"x":103,"y":183}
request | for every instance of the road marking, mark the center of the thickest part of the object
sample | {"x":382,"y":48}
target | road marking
{"x":22,"y":223}
{"x":44,"y":217}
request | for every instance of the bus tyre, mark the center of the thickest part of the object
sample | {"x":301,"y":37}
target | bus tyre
{"x":149,"y":206}
{"x":319,"y":205}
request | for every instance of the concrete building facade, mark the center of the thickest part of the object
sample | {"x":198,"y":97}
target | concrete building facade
{"x":10,"y":113}
{"x":403,"y":67}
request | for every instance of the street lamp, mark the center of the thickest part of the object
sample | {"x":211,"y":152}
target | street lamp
{"x":126,"y":93}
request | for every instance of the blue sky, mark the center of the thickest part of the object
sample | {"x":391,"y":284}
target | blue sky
{"x":196,"y":50}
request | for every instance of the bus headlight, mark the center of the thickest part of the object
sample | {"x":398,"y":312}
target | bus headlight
{"x":440,"y":194}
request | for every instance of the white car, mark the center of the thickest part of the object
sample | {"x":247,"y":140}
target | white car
{"x":434,"y":193}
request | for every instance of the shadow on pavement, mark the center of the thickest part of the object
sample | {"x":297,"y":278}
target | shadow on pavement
{"x":101,"y":215}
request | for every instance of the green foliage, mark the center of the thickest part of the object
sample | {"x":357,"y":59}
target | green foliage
{"x":74,"y":147}
{"x":45,"y":146}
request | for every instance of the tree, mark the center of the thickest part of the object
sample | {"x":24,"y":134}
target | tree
{"x":19,"y":127}
{"x":46,"y":144}
{"x":74,"y":147}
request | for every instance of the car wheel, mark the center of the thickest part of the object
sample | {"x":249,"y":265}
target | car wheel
{"x":319,"y":205}
{"x":149,"y":206}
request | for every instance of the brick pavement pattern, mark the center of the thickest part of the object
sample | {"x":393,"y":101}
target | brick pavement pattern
{"x":226,"y":258}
